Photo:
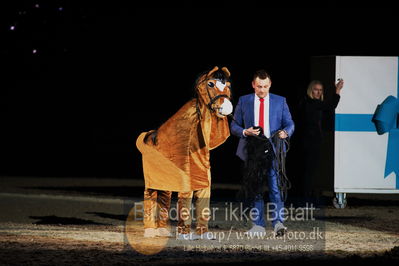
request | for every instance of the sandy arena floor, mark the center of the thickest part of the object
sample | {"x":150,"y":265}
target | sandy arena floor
{"x":47,"y":227}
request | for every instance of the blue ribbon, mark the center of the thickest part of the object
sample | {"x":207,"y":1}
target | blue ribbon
{"x":386,"y":120}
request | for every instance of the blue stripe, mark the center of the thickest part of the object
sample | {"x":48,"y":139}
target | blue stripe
{"x":397,"y":96}
{"x":354,"y":122}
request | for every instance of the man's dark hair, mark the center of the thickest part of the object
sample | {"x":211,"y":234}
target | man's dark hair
{"x":261,"y":74}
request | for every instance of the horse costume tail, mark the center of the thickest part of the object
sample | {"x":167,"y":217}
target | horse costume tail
{"x":256,"y":168}
{"x":261,"y":157}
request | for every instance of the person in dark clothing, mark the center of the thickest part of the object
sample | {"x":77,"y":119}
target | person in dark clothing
{"x":312,"y":108}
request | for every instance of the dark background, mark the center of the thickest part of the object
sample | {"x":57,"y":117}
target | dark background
{"x":103,"y":73}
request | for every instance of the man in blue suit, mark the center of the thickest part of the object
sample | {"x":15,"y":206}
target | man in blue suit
{"x":270,"y":112}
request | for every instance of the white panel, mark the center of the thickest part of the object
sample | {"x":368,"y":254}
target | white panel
{"x":368,"y":81}
{"x":365,"y":190}
{"x":360,"y":161}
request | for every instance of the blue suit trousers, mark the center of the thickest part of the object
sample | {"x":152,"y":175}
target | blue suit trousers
{"x":275,"y":205}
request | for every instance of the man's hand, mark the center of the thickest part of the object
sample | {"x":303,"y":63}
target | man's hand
{"x":339,"y":86}
{"x":251,"y":131}
{"x":282,"y":134}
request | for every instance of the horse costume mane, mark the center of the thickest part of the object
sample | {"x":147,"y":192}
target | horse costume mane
{"x":260,"y":158}
{"x":176,"y":155}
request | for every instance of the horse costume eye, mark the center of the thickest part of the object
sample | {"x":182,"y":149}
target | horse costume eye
{"x":211,"y":84}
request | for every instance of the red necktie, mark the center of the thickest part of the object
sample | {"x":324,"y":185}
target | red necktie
{"x":262,"y":114}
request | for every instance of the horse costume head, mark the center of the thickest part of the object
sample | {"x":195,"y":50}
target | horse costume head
{"x":177,"y":158}
{"x":213,"y":90}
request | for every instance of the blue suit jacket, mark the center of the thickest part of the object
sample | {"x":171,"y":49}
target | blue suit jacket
{"x":279,"y":118}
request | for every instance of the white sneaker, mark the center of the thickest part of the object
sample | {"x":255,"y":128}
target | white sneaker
{"x":189,"y":236}
{"x":256,"y":230}
{"x":163,"y":232}
{"x":279,"y":229}
{"x":150,"y":232}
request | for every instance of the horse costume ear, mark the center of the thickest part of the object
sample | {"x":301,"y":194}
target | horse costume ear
{"x":212,"y":71}
{"x":226,"y":71}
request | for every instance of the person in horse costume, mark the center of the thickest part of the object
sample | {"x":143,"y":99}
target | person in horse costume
{"x":176,"y":157}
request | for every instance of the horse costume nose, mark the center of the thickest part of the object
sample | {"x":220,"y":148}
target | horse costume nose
{"x":226,"y":108}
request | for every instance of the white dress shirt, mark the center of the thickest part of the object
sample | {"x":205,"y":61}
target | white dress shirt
{"x":265,"y":114}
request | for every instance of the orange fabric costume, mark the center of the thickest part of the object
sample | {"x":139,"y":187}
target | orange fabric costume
{"x":176,"y":156}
